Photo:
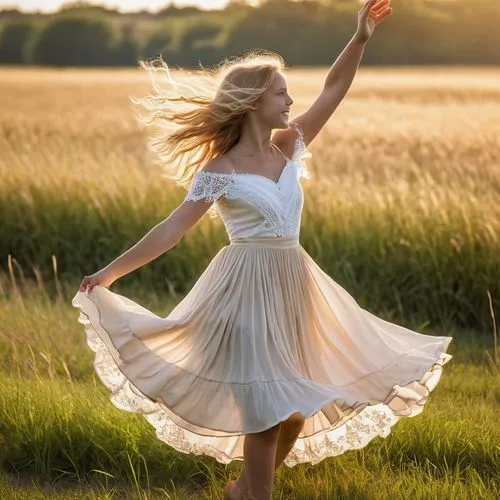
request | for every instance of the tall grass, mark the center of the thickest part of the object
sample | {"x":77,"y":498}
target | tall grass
{"x":402,"y":210}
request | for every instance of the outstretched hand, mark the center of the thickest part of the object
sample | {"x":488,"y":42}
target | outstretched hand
{"x":372,"y":13}
{"x":101,"y":278}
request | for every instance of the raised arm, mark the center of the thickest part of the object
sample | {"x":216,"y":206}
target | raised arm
{"x":339,"y":77}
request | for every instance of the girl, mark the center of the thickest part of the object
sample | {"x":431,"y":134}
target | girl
{"x":266,"y":359}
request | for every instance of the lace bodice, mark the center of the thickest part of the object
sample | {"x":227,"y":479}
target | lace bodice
{"x":252,"y":204}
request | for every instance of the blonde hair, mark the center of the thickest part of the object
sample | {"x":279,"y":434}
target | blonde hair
{"x":200,"y":117}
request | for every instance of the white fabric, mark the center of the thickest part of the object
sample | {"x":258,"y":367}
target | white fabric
{"x":255,"y":205}
{"x":262,"y":334}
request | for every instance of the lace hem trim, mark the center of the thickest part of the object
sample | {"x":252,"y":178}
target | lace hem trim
{"x":355,"y":426}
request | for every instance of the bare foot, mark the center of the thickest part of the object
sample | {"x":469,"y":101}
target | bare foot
{"x":234,"y":491}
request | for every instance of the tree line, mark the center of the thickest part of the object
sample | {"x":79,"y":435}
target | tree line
{"x":311,"y":32}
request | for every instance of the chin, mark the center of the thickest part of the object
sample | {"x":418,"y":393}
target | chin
{"x":282,"y":124}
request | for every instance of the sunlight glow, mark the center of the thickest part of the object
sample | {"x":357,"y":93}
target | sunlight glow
{"x":122,"y":5}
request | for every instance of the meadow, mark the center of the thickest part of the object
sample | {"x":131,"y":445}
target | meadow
{"x":403,"y":210}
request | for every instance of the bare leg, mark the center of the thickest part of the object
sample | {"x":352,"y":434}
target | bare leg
{"x":259,"y":451}
{"x":288,"y":434}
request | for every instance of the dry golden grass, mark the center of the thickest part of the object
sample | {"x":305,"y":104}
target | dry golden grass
{"x":410,"y":158}
{"x":404,"y":204}
{"x":434,"y":133}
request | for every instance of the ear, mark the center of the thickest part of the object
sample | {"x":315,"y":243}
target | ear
{"x":256,"y":104}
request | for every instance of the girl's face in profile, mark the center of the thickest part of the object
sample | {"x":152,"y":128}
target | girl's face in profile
{"x":275,"y":103}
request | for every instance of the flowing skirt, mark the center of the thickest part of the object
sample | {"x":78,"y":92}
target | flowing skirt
{"x":262,"y":334}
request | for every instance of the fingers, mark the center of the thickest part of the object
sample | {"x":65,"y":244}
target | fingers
{"x":384,"y":14}
{"x":380,"y":10}
{"x":368,"y":6}
{"x":86,"y":283}
{"x":380,"y":6}
{"x":381,"y":13}
{"x":375,"y":5}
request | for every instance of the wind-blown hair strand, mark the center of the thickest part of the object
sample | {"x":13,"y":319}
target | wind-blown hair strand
{"x":199,"y":116}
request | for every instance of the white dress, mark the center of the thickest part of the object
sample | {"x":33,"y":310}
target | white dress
{"x":262,"y":334}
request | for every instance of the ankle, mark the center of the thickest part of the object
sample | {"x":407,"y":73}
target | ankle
{"x":241,"y":482}
{"x":242,"y":479}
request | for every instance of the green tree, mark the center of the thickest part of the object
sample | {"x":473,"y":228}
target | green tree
{"x":205,"y":30}
{"x":197,"y":44}
{"x":13,"y":39}
{"x":157,"y":43}
{"x":126,"y":52}
{"x":70,"y":40}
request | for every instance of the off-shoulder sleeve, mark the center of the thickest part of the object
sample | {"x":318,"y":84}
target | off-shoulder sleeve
{"x":301,"y":153}
{"x":208,"y":186}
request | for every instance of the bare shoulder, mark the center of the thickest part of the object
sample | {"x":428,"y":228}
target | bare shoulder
{"x":285,"y":139}
{"x":219,"y":165}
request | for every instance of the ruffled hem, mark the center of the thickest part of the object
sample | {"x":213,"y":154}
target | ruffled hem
{"x":332,"y":426}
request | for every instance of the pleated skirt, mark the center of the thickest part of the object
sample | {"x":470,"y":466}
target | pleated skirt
{"x":263,"y":333}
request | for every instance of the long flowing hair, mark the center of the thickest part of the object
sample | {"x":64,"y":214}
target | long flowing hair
{"x":199,"y":116}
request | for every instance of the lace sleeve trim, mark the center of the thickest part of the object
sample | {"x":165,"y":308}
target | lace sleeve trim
{"x":301,"y":152}
{"x":208,"y":186}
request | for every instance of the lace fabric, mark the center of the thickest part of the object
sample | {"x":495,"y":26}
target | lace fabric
{"x":263,"y":333}
{"x":284,"y":221}
{"x":210,"y":186}
{"x":350,"y":428}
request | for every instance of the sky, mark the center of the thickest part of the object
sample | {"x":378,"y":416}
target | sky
{"x":122,"y":5}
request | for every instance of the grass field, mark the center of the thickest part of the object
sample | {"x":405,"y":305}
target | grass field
{"x":402,"y":210}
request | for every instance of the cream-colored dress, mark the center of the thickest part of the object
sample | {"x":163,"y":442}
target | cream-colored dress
{"x":262,"y":334}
